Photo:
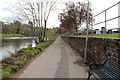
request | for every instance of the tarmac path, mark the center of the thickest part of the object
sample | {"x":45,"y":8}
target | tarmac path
{"x":57,"y":61}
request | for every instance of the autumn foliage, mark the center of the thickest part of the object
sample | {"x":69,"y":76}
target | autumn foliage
{"x":74,"y":15}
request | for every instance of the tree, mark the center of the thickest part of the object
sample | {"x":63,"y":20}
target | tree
{"x":37,"y":13}
{"x":84,"y":30}
{"x":52,"y":33}
{"x":74,"y":15}
{"x":62,"y":30}
{"x":18,"y":24}
{"x":49,"y":6}
{"x":1,"y":23}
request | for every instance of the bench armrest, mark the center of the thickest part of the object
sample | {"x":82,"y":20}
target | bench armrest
{"x":98,"y":64}
{"x":94,"y":64}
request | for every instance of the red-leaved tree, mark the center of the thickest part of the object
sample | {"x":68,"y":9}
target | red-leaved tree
{"x":74,"y":15}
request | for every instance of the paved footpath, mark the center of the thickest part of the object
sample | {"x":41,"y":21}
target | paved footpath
{"x":57,"y":61}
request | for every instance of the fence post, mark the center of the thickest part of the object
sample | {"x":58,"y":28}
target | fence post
{"x":119,"y":15}
{"x":119,"y":27}
{"x":105,"y":24}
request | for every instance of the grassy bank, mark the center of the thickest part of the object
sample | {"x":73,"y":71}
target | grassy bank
{"x":12,"y":35}
{"x":16,"y":62}
{"x":0,"y":74}
{"x":117,"y":35}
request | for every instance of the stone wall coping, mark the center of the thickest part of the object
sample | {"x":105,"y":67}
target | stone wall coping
{"x":96,"y":38}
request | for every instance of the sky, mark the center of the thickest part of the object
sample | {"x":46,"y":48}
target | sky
{"x":97,"y":5}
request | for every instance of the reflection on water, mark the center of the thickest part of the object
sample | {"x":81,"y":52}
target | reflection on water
{"x":10,"y":45}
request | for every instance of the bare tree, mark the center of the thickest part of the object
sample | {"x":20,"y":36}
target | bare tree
{"x":49,"y":6}
{"x":36,"y":13}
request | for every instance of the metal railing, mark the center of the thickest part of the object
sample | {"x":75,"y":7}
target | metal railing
{"x":106,"y":20}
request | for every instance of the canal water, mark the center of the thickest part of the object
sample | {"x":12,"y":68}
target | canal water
{"x":11,"y":44}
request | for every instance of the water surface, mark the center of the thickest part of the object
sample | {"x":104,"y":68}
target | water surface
{"x":11,"y":44}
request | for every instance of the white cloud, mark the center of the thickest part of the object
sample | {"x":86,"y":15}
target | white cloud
{"x":5,"y":6}
{"x":97,"y":5}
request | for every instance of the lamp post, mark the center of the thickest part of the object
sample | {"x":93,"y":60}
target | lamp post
{"x":85,"y":56}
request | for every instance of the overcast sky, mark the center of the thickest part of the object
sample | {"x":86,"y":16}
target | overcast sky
{"x":97,"y":5}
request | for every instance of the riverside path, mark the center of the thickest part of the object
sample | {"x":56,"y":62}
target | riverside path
{"x":57,"y":61}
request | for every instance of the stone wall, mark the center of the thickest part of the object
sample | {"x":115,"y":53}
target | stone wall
{"x":98,"y":48}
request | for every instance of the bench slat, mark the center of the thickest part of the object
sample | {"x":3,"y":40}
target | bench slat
{"x":109,"y":69}
{"x":99,"y":74}
{"x":112,"y":68}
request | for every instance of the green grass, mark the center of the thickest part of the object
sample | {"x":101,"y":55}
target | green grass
{"x":43,"y":44}
{"x":117,"y":35}
{"x":16,"y":62}
{"x":0,"y":74}
{"x":12,"y":35}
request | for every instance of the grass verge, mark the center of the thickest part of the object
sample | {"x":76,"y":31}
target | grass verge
{"x":117,"y":35}
{"x":0,"y":74}
{"x":16,"y":62}
{"x":12,"y":35}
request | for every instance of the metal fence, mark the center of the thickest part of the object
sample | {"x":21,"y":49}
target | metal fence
{"x":107,"y":20}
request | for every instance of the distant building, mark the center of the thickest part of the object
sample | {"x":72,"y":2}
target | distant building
{"x":98,"y":32}
{"x":103,"y":29}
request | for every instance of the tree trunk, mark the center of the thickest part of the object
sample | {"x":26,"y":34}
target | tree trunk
{"x":44,"y":36}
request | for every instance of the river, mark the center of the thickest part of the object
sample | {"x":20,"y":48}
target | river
{"x":11,"y":44}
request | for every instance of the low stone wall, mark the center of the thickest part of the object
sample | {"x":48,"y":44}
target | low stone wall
{"x":98,"y":48}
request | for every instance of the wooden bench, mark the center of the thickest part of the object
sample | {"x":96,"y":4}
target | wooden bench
{"x":109,"y":70}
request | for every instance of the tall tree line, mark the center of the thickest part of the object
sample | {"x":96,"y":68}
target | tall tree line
{"x":13,"y":28}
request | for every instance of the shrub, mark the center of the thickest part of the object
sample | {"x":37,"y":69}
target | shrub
{"x":14,"y":68}
{"x":5,"y":73}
